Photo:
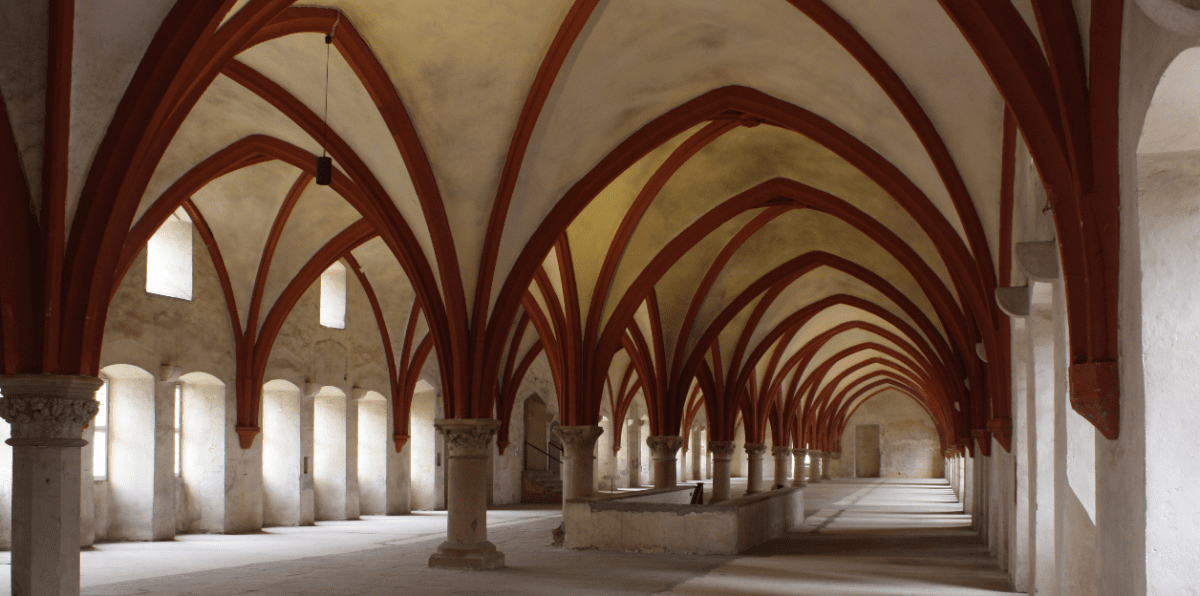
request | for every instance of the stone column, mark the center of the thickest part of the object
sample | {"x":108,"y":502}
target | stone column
{"x":578,"y":470}
{"x":722,"y":452}
{"x":754,"y":456}
{"x":47,"y":414}
{"x":825,"y":457}
{"x":468,"y":447}
{"x":814,"y":466}
{"x":798,"y":467}
{"x":663,"y":449}
{"x":781,"y":453}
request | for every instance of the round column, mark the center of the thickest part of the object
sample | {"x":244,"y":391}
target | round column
{"x":825,"y":458}
{"x":798,"y":467}
{"x":578,"y":464}
{"x":814,"y":466}
{"x":468,"y":448}
{"x":754,"y":475}
{"x":47,"y":414}
{"x":782,"y":455}
{"x":662,"y":450}
{"x":722,"y":452}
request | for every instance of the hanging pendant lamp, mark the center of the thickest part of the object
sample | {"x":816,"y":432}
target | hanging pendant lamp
{"x":325,"y":163}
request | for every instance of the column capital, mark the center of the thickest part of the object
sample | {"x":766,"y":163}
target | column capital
{"x":48,"y":410}
{"x":467,"y":436}
{"x":799,"y":452}
{"x":664,"y":446}
{"x":755,"y":448}
{"x":781,"y":450}
{"x":585,"y":435}
{"x":721,"y":450}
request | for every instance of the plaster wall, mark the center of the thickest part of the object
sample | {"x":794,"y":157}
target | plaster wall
{"x":908,"y":441}
{"x":422,"y":456}
{"x":1020,"y":523}
{"x":373,"y":447}
{"x":204,"y":456}
{"x":1075,"y":541}
{"x":1169,"y":211}
{"x":131,"y":454}
{"x":283,"y":463}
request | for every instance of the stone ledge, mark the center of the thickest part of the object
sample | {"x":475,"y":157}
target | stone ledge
{"x":623,"y":523}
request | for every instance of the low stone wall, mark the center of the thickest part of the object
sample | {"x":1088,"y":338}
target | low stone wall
{"x":663,"y":521}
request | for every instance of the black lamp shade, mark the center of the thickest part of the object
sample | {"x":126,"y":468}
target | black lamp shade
{"x":324,"y":170}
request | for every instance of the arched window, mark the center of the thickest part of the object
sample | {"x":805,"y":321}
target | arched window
{"x":178,"y":429}
{"x":333,"y":297}
{"x":100,"y":438}
{"x":169,"y":258}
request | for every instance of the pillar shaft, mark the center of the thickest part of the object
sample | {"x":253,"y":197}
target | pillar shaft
{"x":47,"y":414}
{"x":468,"y":447}
{"x":578,"y":464}
{"x":722,"y":454}
{"x":798,"y":467}
{"x":825,"y":459}
{"x":662,"y":450}
{"x":782,"y":455}
{"x":814,"y":466}
{"x":754,"y":476}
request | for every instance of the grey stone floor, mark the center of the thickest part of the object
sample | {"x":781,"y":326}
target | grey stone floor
{"x":860,"y":537}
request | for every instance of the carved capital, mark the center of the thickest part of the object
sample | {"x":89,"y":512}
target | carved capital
{"x":467,"y":437}
{"x":781,"y":451}
{"x":721,"y":450}
{"x":799,"y":452}
{"x":579,"y":436}
{"x":664,"y":446}
{"x":48,"y":410}
{"x":755,"y":449}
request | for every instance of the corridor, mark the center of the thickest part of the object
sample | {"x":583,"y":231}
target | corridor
{"x":860,"y":537}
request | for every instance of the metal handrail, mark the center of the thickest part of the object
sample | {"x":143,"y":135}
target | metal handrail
{"x":546,"y":454}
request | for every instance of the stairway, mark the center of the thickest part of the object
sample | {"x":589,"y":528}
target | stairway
{"x":541,"y":486}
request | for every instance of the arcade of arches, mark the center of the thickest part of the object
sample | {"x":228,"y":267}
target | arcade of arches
{"x":607,"y":243}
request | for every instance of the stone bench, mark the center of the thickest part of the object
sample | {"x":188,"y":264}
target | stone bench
{"x":661,"y":520}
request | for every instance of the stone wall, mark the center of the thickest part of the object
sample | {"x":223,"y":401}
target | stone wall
{"x":908,"y":440}
{"x":662,"y":520}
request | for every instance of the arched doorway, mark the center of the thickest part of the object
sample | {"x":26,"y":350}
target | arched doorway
{"x":535,"y":434}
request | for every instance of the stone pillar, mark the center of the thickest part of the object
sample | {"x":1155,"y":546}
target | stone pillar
{"x":468,"y":447}
{"x":722,"y":452}
{"x":798,"y":467}
{"x":47,"y":414}
{"x":578,"y":470}
{"x":781,"y":453}
{"x":754,"y":478}
{"x":814,"y":466}
{"x":662,"y":450}
{"x":825,"y":458}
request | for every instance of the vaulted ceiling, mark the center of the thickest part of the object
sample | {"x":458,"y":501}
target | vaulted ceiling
{"x":782,"y":207}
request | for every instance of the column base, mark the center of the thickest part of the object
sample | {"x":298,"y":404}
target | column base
{"x":478,"y":556}
{"x":799,"y":482}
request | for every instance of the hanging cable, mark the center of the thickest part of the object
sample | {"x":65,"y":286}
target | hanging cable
{"x":325,"y":163}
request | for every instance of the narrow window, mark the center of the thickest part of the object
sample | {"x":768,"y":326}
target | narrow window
{"x":169,"y":258}
{"x":100,"y":439}
{"x":178,"y":429}
{"x":333,"y":297}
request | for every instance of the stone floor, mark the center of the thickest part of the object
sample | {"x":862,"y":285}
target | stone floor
{"x":860,"y":537}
